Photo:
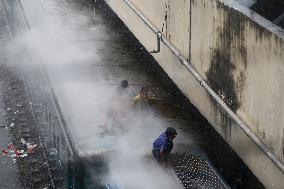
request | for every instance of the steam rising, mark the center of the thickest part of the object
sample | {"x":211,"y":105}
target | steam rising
{"x":73,"y":52}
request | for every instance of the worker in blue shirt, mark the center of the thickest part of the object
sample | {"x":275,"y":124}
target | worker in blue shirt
{"x":163,"y":145}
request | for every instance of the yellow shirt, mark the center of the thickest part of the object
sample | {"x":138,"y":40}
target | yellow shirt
{"x":137,"y":100}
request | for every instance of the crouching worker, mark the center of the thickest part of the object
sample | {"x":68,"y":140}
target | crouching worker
{"x":163,"y":145}
{"x":141,"y":101}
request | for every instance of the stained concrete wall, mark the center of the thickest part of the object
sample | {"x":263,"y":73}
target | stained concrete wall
{"x":240,"y":54}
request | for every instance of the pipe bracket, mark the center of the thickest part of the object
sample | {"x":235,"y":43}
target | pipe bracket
{"x":159,"y":39}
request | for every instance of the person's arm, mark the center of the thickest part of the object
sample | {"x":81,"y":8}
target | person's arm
{"x":135,"y":100}
{"x":165,"y":150}
{"x":161,"y":155}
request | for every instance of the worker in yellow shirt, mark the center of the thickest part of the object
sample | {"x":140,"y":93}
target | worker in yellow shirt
{"x":142,"y":99}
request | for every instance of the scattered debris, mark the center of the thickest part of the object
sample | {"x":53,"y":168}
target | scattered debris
{"x":4,"y":152}
{"x":30,"y":148}
{"x":23,"y":141}
{"x":17,"y":153}
{"x":21,"y":123}
{"x":10,"y":146}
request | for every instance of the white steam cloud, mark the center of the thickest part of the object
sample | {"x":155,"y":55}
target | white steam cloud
{"x":69,"y":47}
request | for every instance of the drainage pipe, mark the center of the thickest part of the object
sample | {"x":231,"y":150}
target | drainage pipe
{"x":209,"y":90}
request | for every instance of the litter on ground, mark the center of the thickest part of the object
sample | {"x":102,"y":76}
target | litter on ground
{"x":18,"y":153}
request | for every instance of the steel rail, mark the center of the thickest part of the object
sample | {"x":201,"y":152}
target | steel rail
{"x":270,"y":154}
{"x":10,"y":33}
{"x":62,"y":122}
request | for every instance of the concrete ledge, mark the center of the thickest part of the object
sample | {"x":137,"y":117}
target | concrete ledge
{"x":247,"y":50}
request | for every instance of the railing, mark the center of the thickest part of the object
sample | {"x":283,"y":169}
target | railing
{"x":267,"y":151}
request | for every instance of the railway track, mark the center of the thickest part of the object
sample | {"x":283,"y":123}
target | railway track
{"x":35,"y":169}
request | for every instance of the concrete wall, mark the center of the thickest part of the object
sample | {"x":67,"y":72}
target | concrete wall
{"x":240,"y":54}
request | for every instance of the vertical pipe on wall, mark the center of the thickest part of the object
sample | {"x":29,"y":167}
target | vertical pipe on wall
{"x":189,"y":45}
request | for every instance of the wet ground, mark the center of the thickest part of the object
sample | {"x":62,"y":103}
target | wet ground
{"x":8,"y":168}
{"x":29,"y":167}
{"x":86,"y":54}
{"x":23,"y":163}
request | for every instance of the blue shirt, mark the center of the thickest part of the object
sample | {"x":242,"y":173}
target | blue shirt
{"x":163,"y":142}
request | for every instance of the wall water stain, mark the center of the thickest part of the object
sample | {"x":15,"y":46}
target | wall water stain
{"x":224,"y":75}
